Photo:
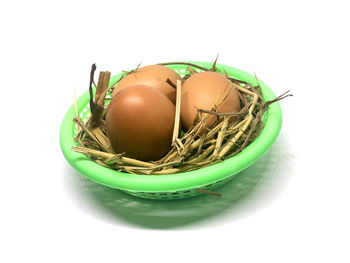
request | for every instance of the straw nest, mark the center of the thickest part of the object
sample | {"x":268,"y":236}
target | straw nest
{"x":195,"y":149}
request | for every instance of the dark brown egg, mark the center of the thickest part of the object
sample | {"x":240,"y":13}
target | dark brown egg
{"x":154,"y":76}
{"x":140,"y":122}
{"x":201,"y":91}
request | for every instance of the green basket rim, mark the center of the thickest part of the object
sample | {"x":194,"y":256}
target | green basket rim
{"x":179,"y":181}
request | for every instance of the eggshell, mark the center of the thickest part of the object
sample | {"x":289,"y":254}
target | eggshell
{"x":200,"y":91}
{"x":154,"y":76}
{"x":140,"y":122}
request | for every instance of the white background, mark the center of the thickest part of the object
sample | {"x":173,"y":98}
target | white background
{"x":291,"y":206}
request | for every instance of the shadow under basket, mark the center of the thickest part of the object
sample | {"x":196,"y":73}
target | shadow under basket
{"x":179,"y":185}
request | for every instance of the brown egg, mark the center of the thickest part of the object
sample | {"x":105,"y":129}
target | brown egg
{"x":201,"y":91}
{"x":140,"y":122}
{"x":154,"y":76}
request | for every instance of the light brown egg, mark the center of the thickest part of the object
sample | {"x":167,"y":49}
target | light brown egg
{"x":201,"y":91}
{"x":154,"y":76}
{"x":140,"y":122}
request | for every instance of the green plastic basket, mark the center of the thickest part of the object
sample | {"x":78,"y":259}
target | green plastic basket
{"x":180,"y":185}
